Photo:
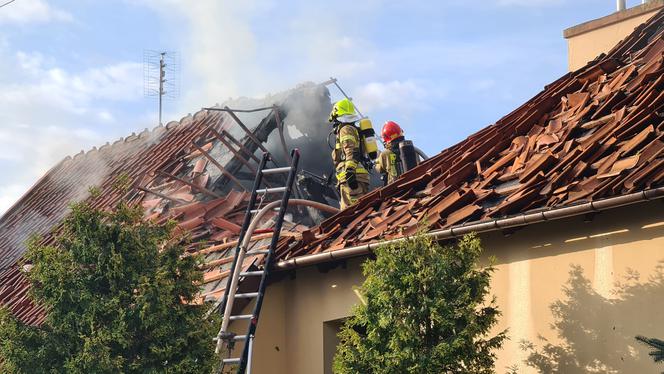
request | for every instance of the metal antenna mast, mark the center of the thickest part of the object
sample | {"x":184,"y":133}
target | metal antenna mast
{"x":161,"y":76}
{"x":162,"y":79}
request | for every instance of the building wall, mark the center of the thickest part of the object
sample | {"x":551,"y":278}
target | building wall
{"x":586,"y":287}
{"x":588,"y":40}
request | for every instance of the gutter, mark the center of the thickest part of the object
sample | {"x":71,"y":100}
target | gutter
{"x":522,"y":219}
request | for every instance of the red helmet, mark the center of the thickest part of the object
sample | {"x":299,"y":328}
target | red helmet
{"x":391,"y":131}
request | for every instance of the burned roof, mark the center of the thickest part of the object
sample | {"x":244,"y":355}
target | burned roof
{"x":592,"y":134}
{"x":196,"y":171}
{"x":46,"y":203}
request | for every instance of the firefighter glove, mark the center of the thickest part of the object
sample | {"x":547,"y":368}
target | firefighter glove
{"x":351,"y":178}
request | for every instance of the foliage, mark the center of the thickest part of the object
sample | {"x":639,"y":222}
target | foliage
{"x":425,"y":312}
{"x":117,"y":290}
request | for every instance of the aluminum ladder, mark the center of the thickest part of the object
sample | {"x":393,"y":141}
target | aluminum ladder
{"x":243,"y":362}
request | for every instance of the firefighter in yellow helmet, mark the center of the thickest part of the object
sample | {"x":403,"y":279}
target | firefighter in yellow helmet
{"x":352,"y":177}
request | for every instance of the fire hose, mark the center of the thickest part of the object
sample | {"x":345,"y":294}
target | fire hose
{"x":243,"y":248}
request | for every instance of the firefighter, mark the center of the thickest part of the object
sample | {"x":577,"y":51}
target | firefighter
{"x":352,"y":177}
{"x":389,"y":162}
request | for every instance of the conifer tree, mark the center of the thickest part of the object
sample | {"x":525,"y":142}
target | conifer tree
{"x":425,"y":311}
{"x":117,"y":292}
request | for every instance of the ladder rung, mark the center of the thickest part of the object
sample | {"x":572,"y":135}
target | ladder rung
{"x":235,"y":360}
{"x":234,"y":337}
{"x":241,"y":316}
{"x":251,"y":273}
{"x":248,"y":295}
{"x":256,"y":252}
{"x":271,"y":190}
{"x":285,"y":169}
{"x":254,"y":211}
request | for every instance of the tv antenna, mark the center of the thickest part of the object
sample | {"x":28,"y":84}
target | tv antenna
{"x":161,"y":76}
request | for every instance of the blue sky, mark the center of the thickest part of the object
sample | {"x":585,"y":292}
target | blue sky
{"x":71,"y":70}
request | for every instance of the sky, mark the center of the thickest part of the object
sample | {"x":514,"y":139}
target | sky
{"x":71,"y":71}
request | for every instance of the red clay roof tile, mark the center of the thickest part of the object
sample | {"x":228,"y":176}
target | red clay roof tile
{"x":591,"y":134}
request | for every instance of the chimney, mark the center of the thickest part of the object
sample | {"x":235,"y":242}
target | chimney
{"x":620,"y":5}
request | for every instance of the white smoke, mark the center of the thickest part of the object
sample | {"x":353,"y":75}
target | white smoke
{"x":254,"y":47}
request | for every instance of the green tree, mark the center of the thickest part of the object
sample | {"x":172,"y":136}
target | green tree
{"x":424,"y":312}
{"x":117,"y":291}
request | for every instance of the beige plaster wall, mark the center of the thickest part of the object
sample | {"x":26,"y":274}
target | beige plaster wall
{"x":598,"y":283}
{"x":616,"y":293}
{"x":589,"y":40}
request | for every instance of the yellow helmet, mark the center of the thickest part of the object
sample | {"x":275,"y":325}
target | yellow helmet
{"x":344,"y":111}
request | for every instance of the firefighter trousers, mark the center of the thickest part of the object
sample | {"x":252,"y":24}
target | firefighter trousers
{"x":349,"y":196}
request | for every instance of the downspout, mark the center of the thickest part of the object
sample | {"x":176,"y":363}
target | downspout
{"x":483,"y":226}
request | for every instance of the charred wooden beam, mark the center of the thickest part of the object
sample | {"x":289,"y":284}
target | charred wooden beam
{"x":235,"y":152}
{"x":250,"y":134}
{"x":280,"y":128}
{"x":202,"y":189}
{"x":261,"y":133}
{"x":220,"y":167}
{"x":232,"y":139}
{"x":229,"y":110}
{"x":160,"y":195}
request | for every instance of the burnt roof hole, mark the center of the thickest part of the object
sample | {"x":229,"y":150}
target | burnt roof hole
{"x":580,"y":133}
{"x":505,"y":185}
{"x":492,"y":202}
{"x":656,"y":34}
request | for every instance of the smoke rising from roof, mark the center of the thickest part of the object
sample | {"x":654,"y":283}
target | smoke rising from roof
{"x":67,"y":182}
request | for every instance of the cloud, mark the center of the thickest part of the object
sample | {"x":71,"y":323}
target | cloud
{"x":530,"y":3}
{"x":29,"y":151}
{"x":255,"y":47}
{"x":48,"y":112}
{"x":220,"y":46}
{"x":37,"y":148}
{"x":70,"y":91}
{"x":235,"y":49}
{"x":9,"y":194}
{"x":32,"y":11}
{"x":407,"y":73}
{"x":105,"y":116}
{"x":482,"y":85}
{"x":398,"y":95}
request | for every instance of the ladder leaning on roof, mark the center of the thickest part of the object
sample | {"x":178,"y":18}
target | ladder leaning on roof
{"x":230,"y":293}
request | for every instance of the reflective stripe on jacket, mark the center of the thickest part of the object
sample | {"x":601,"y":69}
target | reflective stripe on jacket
{"x":387,"y":165}
{"x":346,"y":154}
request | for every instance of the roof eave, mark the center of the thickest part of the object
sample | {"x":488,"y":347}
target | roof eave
{"x":523,"y":219}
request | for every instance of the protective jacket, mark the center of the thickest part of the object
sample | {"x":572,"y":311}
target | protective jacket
{"x":386,"y":165}
{"x":389,"y":162}
{"x":347,"y":154}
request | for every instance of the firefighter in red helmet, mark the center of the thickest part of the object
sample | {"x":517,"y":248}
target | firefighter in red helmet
{"x":389,"y":162}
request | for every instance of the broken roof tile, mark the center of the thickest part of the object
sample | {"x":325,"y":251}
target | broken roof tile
{"x":591,"y":134}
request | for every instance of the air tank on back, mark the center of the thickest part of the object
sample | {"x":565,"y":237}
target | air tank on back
{"x":369,"y":138}
{"x":408,"y":155}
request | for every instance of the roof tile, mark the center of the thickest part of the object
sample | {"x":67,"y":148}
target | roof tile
{"x":591,"y":134}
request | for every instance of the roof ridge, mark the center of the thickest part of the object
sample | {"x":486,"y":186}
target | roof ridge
{"x":184,"y":121}
{"x":105,"y":148}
